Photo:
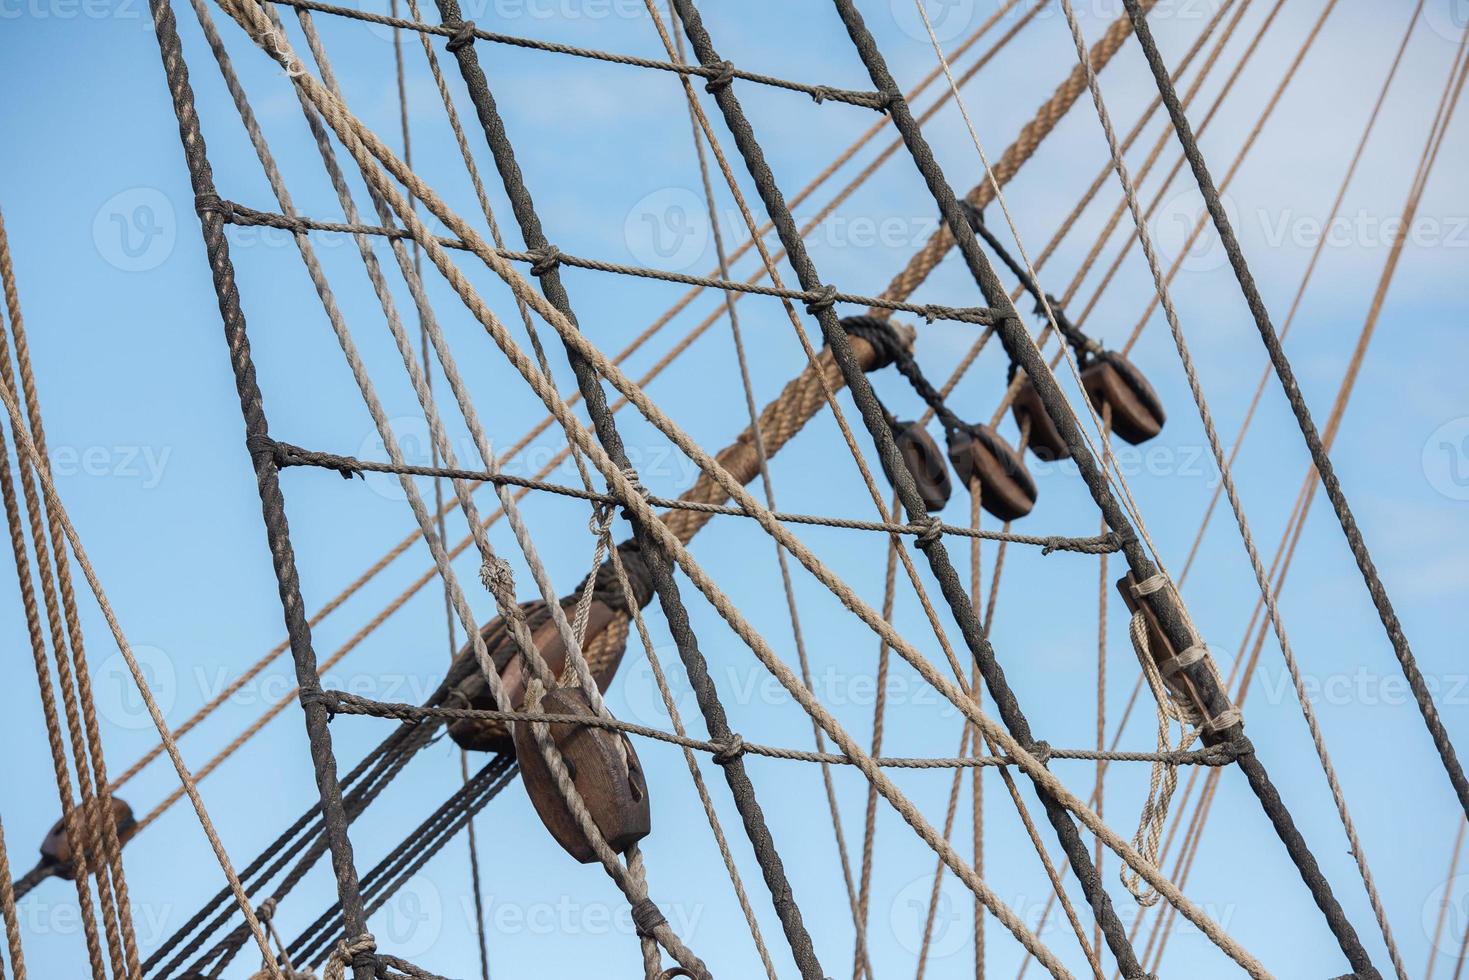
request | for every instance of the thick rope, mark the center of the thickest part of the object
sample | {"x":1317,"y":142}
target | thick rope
{"x":1322,"y":462}
{"x":10,"y":915}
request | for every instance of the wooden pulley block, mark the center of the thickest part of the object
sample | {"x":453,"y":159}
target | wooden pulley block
{"x":56,"y":849}
{"x":1029,"y":411}
{"x":1007,"y":490}
{"x":603,"y":646}
{"x":924,"y":460}
{"x":603,"y":767}
{"x":1112,"y":381}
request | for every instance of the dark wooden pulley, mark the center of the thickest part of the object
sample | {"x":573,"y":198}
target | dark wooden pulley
{"x":603,"y":767}
{"x":924,"y":460}
{"x":56,"y":852}
{"x":1112,"y":381}
{"x":1044,"y":439}
{"x":603,"y":646}
{"x":1007,"y":490}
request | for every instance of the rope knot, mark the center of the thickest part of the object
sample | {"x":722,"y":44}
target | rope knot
{"x":318,"y":696}
{"x":1042,"y":751}
{"x":820,"y":93}
{"x":345,"y":953}
{"x":463,"y":36}
{"x":821,"y":299}
{"x":730,"y":749}
{"x":211,"y":203}
{"x":499,"y":578}
{"x":930,"y":530}
{"x":724,"y":74}
{"x":265,"y":911}
{"x":544,"y":260}
{"x":645,"y":917}
{"x":264,"y":446}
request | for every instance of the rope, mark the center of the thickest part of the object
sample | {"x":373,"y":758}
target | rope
{"x":1320,"y":460}
{"x":27,"y":450}
{"x":287,"y":455}
{"x":723,"y":74}
{"x":1448,"y":101}
{"x":239,"y":214}
{"x":73,"y":670}
{"x":11,"y":916}
{"x":1008,"y":165}
{"x":632,"y":347}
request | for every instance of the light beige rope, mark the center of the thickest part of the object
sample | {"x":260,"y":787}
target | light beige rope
{"x":1010,"y":162}
{"x":358,"y":140}
{"x":9,"y":914}
{"x":362,"y":144}
{"x":1227,"y":477}
{"x":28,"y":450}
{"x":99,"y":826}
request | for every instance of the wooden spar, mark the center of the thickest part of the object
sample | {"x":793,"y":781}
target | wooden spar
{"x":608,"y":627}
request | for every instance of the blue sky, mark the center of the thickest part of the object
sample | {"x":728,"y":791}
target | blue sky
{"x":146,"y":443}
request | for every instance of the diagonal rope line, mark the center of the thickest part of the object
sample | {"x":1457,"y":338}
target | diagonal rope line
{"x":1327,"y":473}
{"x":1345,"y":935}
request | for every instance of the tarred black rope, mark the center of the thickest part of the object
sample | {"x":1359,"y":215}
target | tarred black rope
{"x":1319,"y":457}
{"x":470,"y":797}
{"x":462,"y":33}
{"x":272,"y":503}
{"x":873,"y":416}
{"x":656,"y":559}
{"x":1079,"y":341}
{"x":542,"y":259}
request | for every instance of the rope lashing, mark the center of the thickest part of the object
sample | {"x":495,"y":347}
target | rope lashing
{"x":544,"y":260}
{"x":1178,"y":700}
{"x":825,"y":299}
{"x":646,"y":917}
{"x":285,"y":455}
{"x":725,"y":74}
{"x":933,"y":530}
{"x":345,"y":952}
{"x":1079,"y":341}
{"x":730,"y":749}
{"x":462,"y":37}
{"x":211,"y":203}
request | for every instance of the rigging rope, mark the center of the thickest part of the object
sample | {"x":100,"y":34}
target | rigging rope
{"x":1321,"y":461}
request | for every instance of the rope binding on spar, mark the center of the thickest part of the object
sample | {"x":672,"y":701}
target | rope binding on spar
{"x":1112,"y":383}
